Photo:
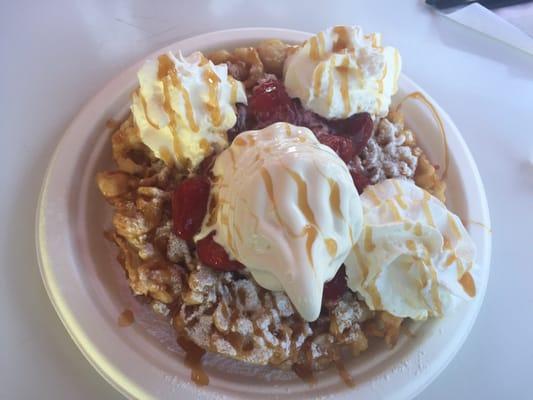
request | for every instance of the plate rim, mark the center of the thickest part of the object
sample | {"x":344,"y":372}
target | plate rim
{"x":129,"y":388}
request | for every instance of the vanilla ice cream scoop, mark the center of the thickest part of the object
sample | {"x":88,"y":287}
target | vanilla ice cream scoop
{"x":286,"y":207}
{"x":184,"y":106}
{"x":340,"y":72}
{"x":414,"y":257}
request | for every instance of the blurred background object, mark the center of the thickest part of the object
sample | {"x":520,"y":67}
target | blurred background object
{"x":511,"y":23}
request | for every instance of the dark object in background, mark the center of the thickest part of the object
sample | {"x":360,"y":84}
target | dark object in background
{"x":490,"y":4}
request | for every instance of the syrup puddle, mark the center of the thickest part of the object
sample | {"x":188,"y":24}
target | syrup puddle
{"x":126,"y":318}
{"x":193,"y":360}
{"x":345,"y":376}
{"x":304,"y":373}
{"x":112,"y":124}
{"x":469,"y":221}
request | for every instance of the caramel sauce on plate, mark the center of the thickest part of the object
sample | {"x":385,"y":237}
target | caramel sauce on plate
{"x":408,"y":332}
{"x":479,"y":224}
{"x":126,"y":318}
{"x":304,"y":373}
{"x":193,"y":359}
{"x":112,"y":124}
{"x":345,"y":376}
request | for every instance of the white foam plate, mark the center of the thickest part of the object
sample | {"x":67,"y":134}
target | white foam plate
{"x":88,"y":289}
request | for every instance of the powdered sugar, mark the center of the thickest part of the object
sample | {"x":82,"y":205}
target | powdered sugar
{"x":390,"y":152}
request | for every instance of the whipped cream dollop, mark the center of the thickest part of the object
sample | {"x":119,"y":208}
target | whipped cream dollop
{"x":285,"y":206}
{"x":184,"y":106}
{"x":414,"y":257}
{"x":341,"y":71}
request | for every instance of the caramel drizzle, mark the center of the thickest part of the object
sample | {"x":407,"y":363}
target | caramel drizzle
{"x":411,"y":245}
{"x":239,"y":141}
{"x":189,"y":113}
{"x":145,"y":109}
{"x":303,"y":199}
{"x":450,"y":260}
{"x":311,"y":232}
{"x":164,"y":68}
{"x":418,"y":229}
{"x":267,"y":180}
{"x":374,"y":40}
{"x":434,"y":288}
{"x":224,"y":220}
{"x":213,"y":206}
{"x":368,"y":243}
{"x":419,"y":96}
{"x":362,"y":264}
{"x":213,"y":82}
{"x":397,"y":187}
{"x":427,"y":211}
{"x":395,"y":213}
{"x":314,"y":51}
{"x":380,"y":82}
{"x":373,"y":196}
{"x":447,"y":245}
{"x":467,"y":282}
{"x":345,"y":93}
{"x":342,"y":40}
{"x":335,"y":197}
{"x":331,"y":246}
{"x":165,"y":154}
{"x":330,"y":82}
{"x":399,"y":199}
{"x":375,"y":296}
{"x":233,"y":84}
{"x":204,"y":145}
{"x":321,"y":43}
{"x":453,"y":226}
{"x":317,"y":80}
{"x":167,"y":68}
{"x":303,"y":204}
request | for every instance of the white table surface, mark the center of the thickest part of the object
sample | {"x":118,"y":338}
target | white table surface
{"x":55,"y":55}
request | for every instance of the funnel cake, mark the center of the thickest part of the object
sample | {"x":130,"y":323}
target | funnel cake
{"x":168,"y":212}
